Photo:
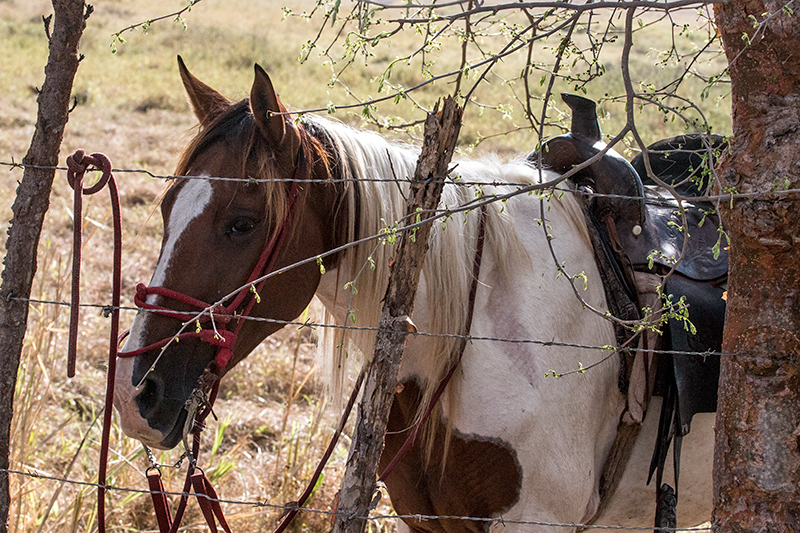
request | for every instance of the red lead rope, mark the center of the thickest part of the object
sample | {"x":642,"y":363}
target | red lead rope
{"x":77,"y":165}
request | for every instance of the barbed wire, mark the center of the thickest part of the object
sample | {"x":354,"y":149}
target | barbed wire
{"x":107,"y":309}
{"x":276,"y":507}
{"x":779,"y":191}
{"x":482,"y":199}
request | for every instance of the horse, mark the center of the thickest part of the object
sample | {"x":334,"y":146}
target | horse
{"x":509,"y":444}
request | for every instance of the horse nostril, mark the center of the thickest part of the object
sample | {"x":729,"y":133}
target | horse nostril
{"x":149,"y":397}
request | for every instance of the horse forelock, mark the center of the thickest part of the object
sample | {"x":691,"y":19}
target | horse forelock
{"x":235,"y":135}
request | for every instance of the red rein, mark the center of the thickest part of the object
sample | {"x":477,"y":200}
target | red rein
{"x":77,"y":165}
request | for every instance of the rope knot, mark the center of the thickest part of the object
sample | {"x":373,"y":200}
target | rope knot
{"x":75,"y":161}
{"x":141,"y":294}
{"x":78,"y":163}
{"x":221,"y":338}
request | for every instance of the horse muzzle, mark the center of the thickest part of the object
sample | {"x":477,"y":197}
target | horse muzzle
{"x":152,"y":407}
{"x":145,"y":414}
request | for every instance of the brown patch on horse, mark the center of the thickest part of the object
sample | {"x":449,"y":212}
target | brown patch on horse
{"x":482,"y":477}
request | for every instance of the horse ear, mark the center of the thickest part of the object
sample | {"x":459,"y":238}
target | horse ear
{"x":264,"y":103}
{"x":206,"y":102}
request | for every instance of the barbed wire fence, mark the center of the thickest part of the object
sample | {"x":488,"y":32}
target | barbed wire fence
{"x":368,"y":518}
{"x":524,"y":188}
{"x":106,"y":309}
{"x":368,"y":105}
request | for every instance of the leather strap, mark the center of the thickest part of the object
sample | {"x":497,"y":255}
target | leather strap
{"x":209,"y":502}
{"x":409,"y":442}
{"x":294,"y":508}
{"x":476,"y":271}
{"x":159,"y":498}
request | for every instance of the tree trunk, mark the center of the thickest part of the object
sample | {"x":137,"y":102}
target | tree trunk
{"x":757,"y":457}
{"x":30,"y":206}
{"x":441,"y":133}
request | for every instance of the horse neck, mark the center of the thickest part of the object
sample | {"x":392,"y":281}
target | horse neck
{"x":364,"y":164}
{"x":446,"y":274}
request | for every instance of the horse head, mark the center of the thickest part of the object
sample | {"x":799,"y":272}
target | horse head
{"x":272,"y":208}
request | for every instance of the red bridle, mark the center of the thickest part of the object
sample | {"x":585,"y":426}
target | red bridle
{"x":247,"y":295}
{"x":225,"y":340}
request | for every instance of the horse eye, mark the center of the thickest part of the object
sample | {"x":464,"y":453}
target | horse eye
{"x":241,"y":226}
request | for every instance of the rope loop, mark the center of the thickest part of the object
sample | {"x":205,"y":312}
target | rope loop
{"x":77,"y":165}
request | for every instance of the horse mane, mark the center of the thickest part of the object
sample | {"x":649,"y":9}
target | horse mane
{"x":378,"y":174}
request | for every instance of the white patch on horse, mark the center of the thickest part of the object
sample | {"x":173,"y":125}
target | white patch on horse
{"x":192,"y":200}
{"x":561,"y":430}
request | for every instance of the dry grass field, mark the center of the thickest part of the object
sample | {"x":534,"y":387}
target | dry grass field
{"x":273,"y":423}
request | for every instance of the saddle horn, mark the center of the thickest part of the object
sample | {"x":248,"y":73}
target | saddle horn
{"x":613,"y":195}
{"x":584,"y":117}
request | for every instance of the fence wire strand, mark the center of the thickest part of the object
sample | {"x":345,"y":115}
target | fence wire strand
{"x":107,"y":309}
{"x":165,"y":177}
{"x":372,"y":518}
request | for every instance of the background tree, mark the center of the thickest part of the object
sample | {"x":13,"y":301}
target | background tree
{"x":32,"y":201}
{"x":757,"y":460}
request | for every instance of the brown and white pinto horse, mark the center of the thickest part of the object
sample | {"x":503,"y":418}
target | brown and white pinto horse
{"x":520,"y":446}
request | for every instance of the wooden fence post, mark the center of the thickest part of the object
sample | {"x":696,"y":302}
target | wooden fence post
{"x":30,"y":206}
{"x":441,"y":134}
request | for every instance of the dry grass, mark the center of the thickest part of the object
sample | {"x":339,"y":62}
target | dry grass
{"x":131,"y":106}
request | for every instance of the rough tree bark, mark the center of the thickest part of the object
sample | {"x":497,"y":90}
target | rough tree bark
{"x":30,"y":206}
{"x":441,"y":134}
{"x":757,"y":458}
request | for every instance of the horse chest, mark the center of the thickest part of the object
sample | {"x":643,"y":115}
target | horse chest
{"x":468,"y":476}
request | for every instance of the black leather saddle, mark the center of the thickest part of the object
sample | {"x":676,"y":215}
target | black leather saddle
{"x":638,"y":225}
